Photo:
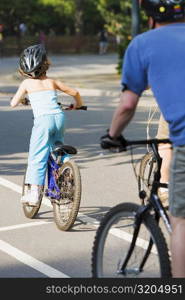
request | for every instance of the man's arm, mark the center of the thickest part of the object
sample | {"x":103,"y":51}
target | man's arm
{"x":124,"y":113}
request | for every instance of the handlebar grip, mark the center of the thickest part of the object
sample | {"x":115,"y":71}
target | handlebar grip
{"x":70,"y":107}
{"x":25,"y":101}
{"x":83,"y":107}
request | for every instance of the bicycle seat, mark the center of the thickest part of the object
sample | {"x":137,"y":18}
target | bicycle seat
{"x":61,"y":149}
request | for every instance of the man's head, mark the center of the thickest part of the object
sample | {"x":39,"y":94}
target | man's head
{"x":164,"y":11}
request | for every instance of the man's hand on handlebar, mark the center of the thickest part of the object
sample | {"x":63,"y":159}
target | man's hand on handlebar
{"x":119,"y":143}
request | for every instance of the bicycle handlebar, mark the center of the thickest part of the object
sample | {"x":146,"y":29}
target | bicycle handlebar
{"x":26,"y":101}
{"x":148,"y":142}
{"x":120,"y":143}
{"x":71,"y":107}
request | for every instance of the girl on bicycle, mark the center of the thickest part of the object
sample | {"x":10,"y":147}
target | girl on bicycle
{"x":48,"y":115}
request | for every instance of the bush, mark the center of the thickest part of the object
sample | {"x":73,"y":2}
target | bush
{"x":121,"y":51}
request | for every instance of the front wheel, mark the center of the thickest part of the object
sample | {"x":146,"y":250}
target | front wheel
{"x":66,"y":209}
{"x":117,"y":254}
{"x":29,"y":211}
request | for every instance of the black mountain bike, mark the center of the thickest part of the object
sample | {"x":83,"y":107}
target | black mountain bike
{"x":129,"y":241}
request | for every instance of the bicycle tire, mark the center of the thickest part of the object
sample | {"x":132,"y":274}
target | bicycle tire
{"x":107,"y":256}
{"x":148,"y":166}
{"x":29,"y":211}
{"x":66,"y":209}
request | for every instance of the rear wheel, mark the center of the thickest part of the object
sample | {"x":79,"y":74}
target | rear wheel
{"x":117,"y":254}
{"x":30,"y":211}
{"x":66,"y":209}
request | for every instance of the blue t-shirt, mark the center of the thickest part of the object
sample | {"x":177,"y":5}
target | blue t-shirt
{"x":156,"y":58}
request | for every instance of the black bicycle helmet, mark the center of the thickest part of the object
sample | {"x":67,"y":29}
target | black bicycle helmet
{"x":164,"y":10}
{"x":32,"y":59}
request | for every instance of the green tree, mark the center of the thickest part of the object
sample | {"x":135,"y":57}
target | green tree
{"x":55,"y":14}
{"x":14,"y":12}
{"x":79,"y":16}
{"x":118,"y":21}
{"x":117,"y":16}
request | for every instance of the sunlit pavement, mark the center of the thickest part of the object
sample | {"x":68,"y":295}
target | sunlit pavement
{"x":107,"y":178}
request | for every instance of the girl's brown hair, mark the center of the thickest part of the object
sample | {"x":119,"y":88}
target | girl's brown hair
{"x":41,"y":71}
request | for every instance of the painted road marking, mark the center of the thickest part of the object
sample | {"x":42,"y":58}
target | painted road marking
{"x":20,"y":255}
{"x":128,"y":237}
{"x":38,"y":265}
{"x":30,"y":261}
{"x":13,"y":186}
{"x":116,"y":232}
{"x":19,"y":226}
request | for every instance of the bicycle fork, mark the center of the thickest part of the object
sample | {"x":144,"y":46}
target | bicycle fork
{"x":137,"y":224}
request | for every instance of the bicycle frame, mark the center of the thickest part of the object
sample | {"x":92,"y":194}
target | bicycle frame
{"x":154,"y":201}
{"x":138,"y":221}
{"x":53,"y":191}
{"x":154,"y":204}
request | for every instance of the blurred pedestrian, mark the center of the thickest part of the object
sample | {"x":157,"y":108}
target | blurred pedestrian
{"x":103,"y":41}
{"x":42,"y":37}
{"x":22,"y":28}
{"x":1,"y":39}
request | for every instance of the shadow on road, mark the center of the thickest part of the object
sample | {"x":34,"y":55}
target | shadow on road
{"x":83,"y":130}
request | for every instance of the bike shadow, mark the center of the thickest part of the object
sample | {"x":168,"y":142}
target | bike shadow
{"x":43,"y":215}
{"x":88,"y":218}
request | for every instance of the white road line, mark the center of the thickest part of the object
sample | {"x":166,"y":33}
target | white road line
{"x":128,"y":237}
{"x":30,"y":261}
{"x":13,"y":186}
{"x":17,"y":188}
{"x":121,"y":234}
{"x":118,"y":233}
{"x":19,"y":226}
{"x":19,"y":255}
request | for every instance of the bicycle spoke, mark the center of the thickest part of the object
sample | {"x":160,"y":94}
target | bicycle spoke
{"x":66,"y":208}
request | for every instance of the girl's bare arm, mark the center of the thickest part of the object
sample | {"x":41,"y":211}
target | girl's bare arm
{"x":69,"y":91}
{"x":19,"y":95}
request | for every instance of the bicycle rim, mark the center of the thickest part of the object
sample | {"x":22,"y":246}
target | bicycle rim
{"x":66,"y":209}
{"x":112,"y":243}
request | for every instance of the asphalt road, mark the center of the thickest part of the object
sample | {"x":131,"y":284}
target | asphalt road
{"x":36,"y":248}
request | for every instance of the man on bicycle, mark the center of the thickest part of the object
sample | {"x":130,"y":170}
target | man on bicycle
{"x":156,"y":58}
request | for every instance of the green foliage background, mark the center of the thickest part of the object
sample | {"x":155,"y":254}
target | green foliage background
{"x":70,"y":18}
